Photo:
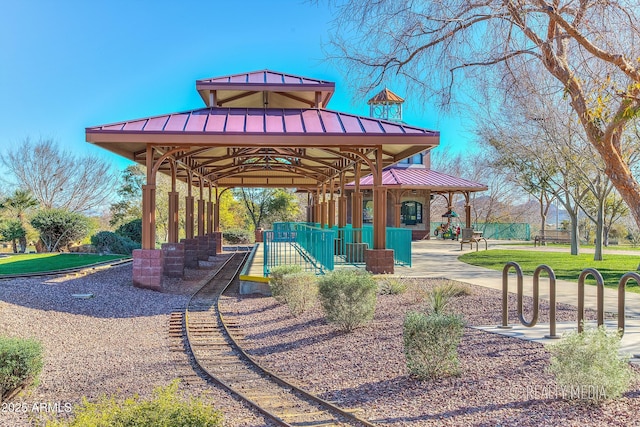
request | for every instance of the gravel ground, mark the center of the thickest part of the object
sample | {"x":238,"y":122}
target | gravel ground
{"x":503,"y":382}
{"x":116,"y":343}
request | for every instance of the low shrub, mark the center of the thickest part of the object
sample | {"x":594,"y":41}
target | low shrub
{"x":238,"y":236}
{"x":587,"y":365}
{"x":431,"y":344}
{"x":299,"y":291}
{"x":348,"y":298}
{"x":165,"y":409}
{"x":108,"y":242}
{"x":275,"y":280}
{"x":440,"y":296}
{"x":21,"y":362}
{"x":391,"y":286}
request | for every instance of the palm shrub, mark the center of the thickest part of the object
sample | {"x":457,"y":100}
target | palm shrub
{"x":299,"y":291}
{"x":588,"y":367}
{"x":275,"y":280}
{"x":165,"y":409}
{"x":440,"y":296}
{"x":348,"y":298}
{"x":431,"y":344}
{"x":21,"y":362}
{"x":391,"y":286}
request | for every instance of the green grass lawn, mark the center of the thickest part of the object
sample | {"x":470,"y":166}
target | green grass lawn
{"x":37,"y":263}
{"x":565,"y":265}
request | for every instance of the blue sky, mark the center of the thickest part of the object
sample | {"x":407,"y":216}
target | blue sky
{"x":70,"y":64}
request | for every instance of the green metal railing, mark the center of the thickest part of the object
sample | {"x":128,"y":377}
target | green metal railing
{"x":317,"y":243}
{"x":318,"y":249}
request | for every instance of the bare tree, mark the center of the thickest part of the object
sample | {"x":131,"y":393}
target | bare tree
{"x":58,"y":178}
{"x":588,"y":47}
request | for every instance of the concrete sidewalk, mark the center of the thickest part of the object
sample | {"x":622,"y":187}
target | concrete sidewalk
{"x":438,"y":258}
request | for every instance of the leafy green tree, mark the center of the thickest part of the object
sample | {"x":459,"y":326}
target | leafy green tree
{"x":131,"y":230}
{"x":268,"y":205}
{"x":129,"y":207}
{"x":59,"y":227}
{"x":12,"y":231}
{"x":18,"y":206}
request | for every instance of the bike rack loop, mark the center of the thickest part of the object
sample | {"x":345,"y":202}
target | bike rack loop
{"x":552,"y":297}
{"x":520,"y":289}
{"x":599,"y":296}
{"x":621,"y":294}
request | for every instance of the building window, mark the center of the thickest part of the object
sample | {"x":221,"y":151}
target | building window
{"x":411,"y":213}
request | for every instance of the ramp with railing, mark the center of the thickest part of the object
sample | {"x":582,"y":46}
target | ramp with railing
{"x":320,"y":249}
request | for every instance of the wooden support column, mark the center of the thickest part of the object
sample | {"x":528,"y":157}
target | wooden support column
{"x":379,"y":260}
{"x":216,"y":212}
{"x":189,"y":204}
{"x":426,"y":214}
{"x":397,"y":213}
{"x":323,"y":207}
{"x":467,"y":210}
{"x":316,"y":207}
{"x":342,"y":204}
{"x":201,"y":231}
{"x":149,"y":204}
{"x":332,"y":207}
{"x":210,"y":214}
{"x":379,"y":205}
{"x":356,"y":208}
{"x":174,"y":207}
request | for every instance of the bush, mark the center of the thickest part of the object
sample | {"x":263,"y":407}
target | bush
{"x":20,"y":365}
{"x":431,"y":344}
{"x":59,"y":227}
{"x":237,"y":236}
{"x":106,"y":241}
{"x":440,"y":296}
{"x":275,"y":280}
{"x":299,"y":291}
{"x":131,"y":230}
{"x":587,"y":365}
{"x":391,"y":286}
{"x":348,"y":298}
{"x":165,"y":409}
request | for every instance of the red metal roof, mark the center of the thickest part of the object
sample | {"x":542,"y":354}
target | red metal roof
{"x":386,"y":96}
{"x":421,"y":177}
{"x":265,"y":88}
{"x":263,"y":77}
{"x":263,"y":121}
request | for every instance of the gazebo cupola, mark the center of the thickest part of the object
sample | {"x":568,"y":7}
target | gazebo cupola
{"x":386,"y":105}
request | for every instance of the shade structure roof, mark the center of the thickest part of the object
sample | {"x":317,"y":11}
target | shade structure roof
{"x":265,"y":89}
{"x":245,"y":142}
{"x":420,"y":178}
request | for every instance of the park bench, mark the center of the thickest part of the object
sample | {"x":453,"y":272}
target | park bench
{"x":471,"y":236}
{"x":552,"y":236}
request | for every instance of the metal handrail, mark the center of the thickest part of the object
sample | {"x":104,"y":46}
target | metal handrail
{"x":599,"y":296}
{"x":621,"y":295}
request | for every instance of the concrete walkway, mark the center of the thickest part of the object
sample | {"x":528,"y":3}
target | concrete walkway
{"x":437,"y":258}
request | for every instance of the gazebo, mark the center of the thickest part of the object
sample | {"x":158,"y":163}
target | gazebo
{"x":258,"y":129}
{"x":411,"y":183}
